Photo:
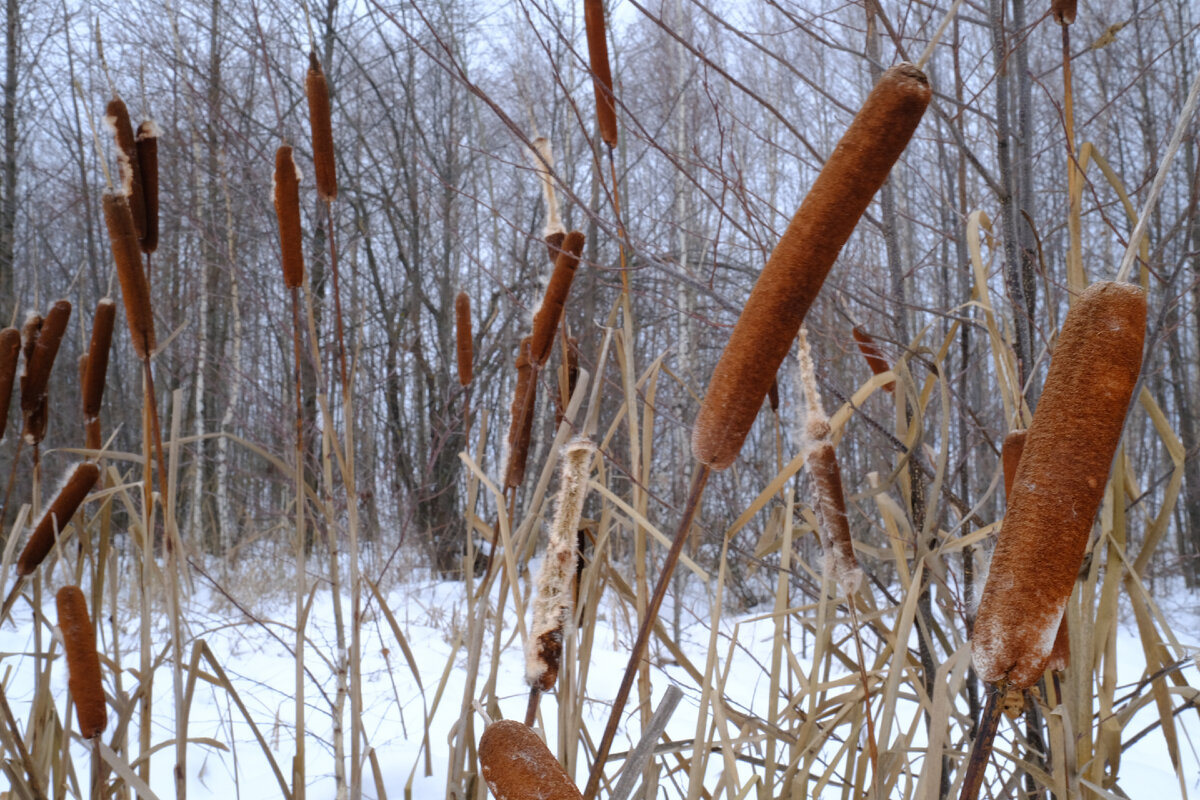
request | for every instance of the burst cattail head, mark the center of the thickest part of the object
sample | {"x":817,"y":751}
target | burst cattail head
{"x":134,"y":288}
{"x":1059,"y":483}
{"x":1010,"y":457}
{"x":606,"y":108}
{"x":29,"y":335}
{"x":39,"y":361}
{"x":10,"y":351}
{"x":147,"y":159}
{"x":840,"y":560}
{"x":56,"y":516}
{"x":1063,"y":11}
{"x":521,"y":428}
{"x":793,"y":275}
{"x":116,"y":117}
{"x":83,"y":662}
{"x":97,"y":358}
{"x":287,"y":210}
{"x":462,"y":327}
{"x":875,"y":359}
{"x":549,"y":314}
{"x":543,"y":162}
{"x":316,"y":88}
{"x":554,"y":605}
{"x":517,"y":765}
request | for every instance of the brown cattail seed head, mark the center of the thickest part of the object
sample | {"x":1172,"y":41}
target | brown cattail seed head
{"x":83,"y":662}
{"x":29,"y":334}
{"x":521,"y":428}
{"x":1010,"y":457}
{"x":116,"y":117}
{"x":793,"y":275}
{"x":97,"y":358}
{"x":56,"y":516}
{"x":10,"y":351}
{"x":875,"y":359}
{"x":287,"y":211}
{"x":134,"y":288}
{"x":517,"y":765}
{"x":606,"y":108}
{"x":462,"y":326}
{"x":316,"y":88}
{"x":549,"y":314}
{"x":554,"y":243}
{"x":840,"y":560}
{"x":1063,"y":11}
{"x":147,"y":159}
{"x":39,"y":361}
{"x":1059,"y":483}
{"x":1060,"y":654}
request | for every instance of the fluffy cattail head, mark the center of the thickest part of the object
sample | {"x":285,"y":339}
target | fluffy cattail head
{"x":606,"y":108}
{"x":10,"y":351}
{"x":549,"y":314}
{"x":147,"y":159}
{"x":83,"y":662}
{"x":134,"y":288}
{"x":29,"y":334}
{"x":517,"y":765}
{"x":1063,"y":11}
{"x":316,"y":88}
{"x":543,"y":162}
{"x":462,"y":326}
{"x":116,"y":117}
{"x":39,"y":361}
{"x":520,"y":429}
{"x":875,"y":359}
{"x":1059,"y":483}
{"x":793,"y":275}
{"x":97,"y":358}
{"x":56,"y":516}
{"x":287,"y":211}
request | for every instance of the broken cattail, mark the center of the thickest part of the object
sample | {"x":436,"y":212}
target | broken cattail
{"x":549,"y":314}
{"x":10,"y":351}
{"x":875,"y":359}
{"x":316,"y":88}
{"x":796,"y":269}
{"x":287,"y":210}
{"x":147,"y":159}
{"x":840,"y":560}
{"x":462,"y":325}
{"x":97,"y":369}
{"x":521,"y":428}
{"x":1063,"y":11}
{"x":83,"y":662}
{"x":39,"y":361}
{"x":554,"y":604}
{"x":56,"y":516}
{"x":1010,"y":457}
{"x":606,"y":109}
{"x":517,"y":765}
{"x":116,"y":117}
{"x":1059,"y":483}
{"x":134,"y":288}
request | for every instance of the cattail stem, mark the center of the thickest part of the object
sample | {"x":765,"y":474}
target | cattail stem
{"x":981,"y":748}
{"x":298,"y":770}
{"x":643,"y":638}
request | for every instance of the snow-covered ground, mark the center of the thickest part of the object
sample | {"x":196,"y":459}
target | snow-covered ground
{"x":255,"y":653}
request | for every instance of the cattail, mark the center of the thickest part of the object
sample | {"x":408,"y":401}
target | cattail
{"x":521,"y":428}
{"x":83,"y":662}
{"x":316,"y":88}
{"x":1063,"y":11}
{"x":1059,"y":483}
{"x":462,"y":326}
{"x":517,"y":765}
{"x":116,"y":117}
{"x":542,"y":164}
{"x":554,"y":243}
{"x":39,"y":361}
{"x":10,"y":351}
{"x":554,"y":605}
{"x":147,"y":159}
{"x":134,"y":288}
{"x":56,"y":516}
{"x":548,"y":315}
{"x":796,"y":269}
{"x":606,"y":109}
{"x":1010,"y":457}
{"x":286,"y":188}
{"x":840,"y":560}
{"x":29,"y":334}
{"x":96,"y":370}
{"x":875,"y":360}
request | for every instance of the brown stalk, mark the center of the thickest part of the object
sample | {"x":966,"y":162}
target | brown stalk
{"x":597,"y":39}
{"x":10,"y":351}
{"x":39,"y":361}
{"x":83,"y":662}
{"x":116,"y":117}
{"x":55,"y":518}
{"x":517,"y":765}
{"x":549,"y":314}
{"x":465,"y":346}
{"x":316,"y":89}
{"x":287,"y":211}
{"x":796,"y":269}
{"x":147,"y":161}
{"x":875,"y":359}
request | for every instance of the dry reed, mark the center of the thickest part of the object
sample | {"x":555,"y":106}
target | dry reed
{"x":465,"y":346}
{"x":147,"y":159}
{"x":286,"y":190}
{"x":96,"y":369}
{"x":549,"y":313}
{"x":597,"y":39}
{"x":116,"y":117}
{"x":39,"y":361}
{"x":10,"y":352}
{"x":316,"y":89}
{"x":55,"y":518}
{"x":796,"y":269}
{"x":1059,"y":483}
{"x":134,"y":289}
{"x":83,"y":662}
{"x":875,"y":359}
{"x":521,"y":427}
{"x":517,"y":765}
